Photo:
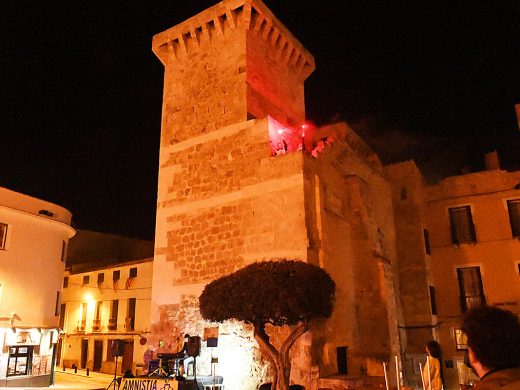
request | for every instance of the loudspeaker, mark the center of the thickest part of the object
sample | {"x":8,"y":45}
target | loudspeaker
{"x":193,"y":348}
{"x":118,"y":347}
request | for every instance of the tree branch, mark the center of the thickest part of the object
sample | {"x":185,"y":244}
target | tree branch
{"x":263,"y":341}
{"x":291,"y":339}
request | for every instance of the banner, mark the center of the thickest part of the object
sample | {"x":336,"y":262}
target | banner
{"x":146,"y":383}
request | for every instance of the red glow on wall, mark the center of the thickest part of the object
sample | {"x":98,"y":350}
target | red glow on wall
{"x":287,"y":139}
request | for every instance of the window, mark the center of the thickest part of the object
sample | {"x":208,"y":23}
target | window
{"x":404,"y":193}
{"x":130,"y":317}
{"x":98,"y":310}
{"x":133,"y":272}
{"x":96,"y":323}
{"x":65,"y":282}
{"x":62,"y":315}
{"x":20,"y":358}
{"x":513,"y":206}
{"x":63,"y":251}
{"x":433,"y":300}
{"x":100,"y":278}
{"x":427,"y":242}
{"x":86,"y":280}
{"x":112,"y":322}
{"x":461,"y":341}
{"x":83,"y":319}
{"x":462,"y":228}
{"x":470,"y":286}
{"x":116,"y":276}
{"x":57,"y":308}
{"x":3,"y":235}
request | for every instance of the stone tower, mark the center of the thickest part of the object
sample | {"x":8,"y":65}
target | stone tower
{"x":233,"y":91}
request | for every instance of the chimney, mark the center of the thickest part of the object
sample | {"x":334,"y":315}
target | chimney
{"x":492,"y":161}
{"x":517,"y":110}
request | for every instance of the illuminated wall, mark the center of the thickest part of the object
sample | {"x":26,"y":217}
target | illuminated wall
{"x":34,"y":238}
{"x":89,"y":315}
{"x":430,"y":263}
{"x":243,"y":177}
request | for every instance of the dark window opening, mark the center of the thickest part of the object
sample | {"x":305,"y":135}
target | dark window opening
{"x":470,"y":286}
{"x":427,"y":242}
{"x":433,"y":300}
{"x":341,"y":356}
{"x":116,"y":276}
{"x":65,"y":282}
{"x":112,"y":321}
{"x":404,"y":193}
{"x":57,"y":308}
{"x":133,"y":272}
{"x":3,"y":235}
{"x":100,"y":278}
{"x":130,"y":317}
{"x":63,"y":251}
{"x":62,"y":315}
{"x":86,"y":280}
{"x":462,"y":227}
{"x":513,"y":207}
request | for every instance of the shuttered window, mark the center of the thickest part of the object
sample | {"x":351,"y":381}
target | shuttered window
{"x":462,"y":227}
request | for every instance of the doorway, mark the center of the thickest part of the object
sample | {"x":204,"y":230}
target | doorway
{"x":128,"y":357}
{"x":84,"y":353}
{"x":98,"y":355}
{"x":341,"y":355}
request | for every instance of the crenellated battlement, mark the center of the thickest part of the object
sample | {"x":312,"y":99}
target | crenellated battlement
{"x":187,"y":37}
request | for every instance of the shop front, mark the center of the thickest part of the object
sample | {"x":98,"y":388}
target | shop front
{"x":27,"y":356}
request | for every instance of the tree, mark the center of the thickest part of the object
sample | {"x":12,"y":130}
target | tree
{"x":278,"y":292}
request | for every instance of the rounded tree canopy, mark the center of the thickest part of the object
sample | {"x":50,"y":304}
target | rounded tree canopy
{"x":281,"y":292}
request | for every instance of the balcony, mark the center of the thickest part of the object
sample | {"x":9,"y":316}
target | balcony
{"x":81,"y":326}
{"x":469,"y":302}
{"x":112,"y":324}
{"x":96,"y":325}
{"x":129,"y":323}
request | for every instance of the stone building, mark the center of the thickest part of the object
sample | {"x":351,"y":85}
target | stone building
{"x":33,"y":243}
{"x":458,"y":246}
{"x":242,"y":178}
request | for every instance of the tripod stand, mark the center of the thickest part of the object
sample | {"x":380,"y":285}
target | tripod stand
{"x":114,"y":382}
{"x":159,"y":371}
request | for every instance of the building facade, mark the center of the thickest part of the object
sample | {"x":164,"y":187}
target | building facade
{"x":458,"y":247}
{"x":243,"y":178}
{"x":103,"y":304}
{"x":33,"y":242}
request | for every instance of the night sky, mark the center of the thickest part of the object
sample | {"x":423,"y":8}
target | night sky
{"x":81,"y":91}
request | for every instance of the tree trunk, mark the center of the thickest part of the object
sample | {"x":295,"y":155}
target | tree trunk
{"x":279,"y":358}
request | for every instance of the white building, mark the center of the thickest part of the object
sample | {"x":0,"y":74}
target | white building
{"x":33,"y":241}
{"x":102,"y":304}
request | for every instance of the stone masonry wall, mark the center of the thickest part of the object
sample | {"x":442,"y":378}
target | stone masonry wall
{"x":351,"y":234}
{"x":205,"y":89}
{"x":273,"y":88}
{"x":223,"y":202}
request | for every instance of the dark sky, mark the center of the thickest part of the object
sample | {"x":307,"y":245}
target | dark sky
{"x":80,"y":95}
